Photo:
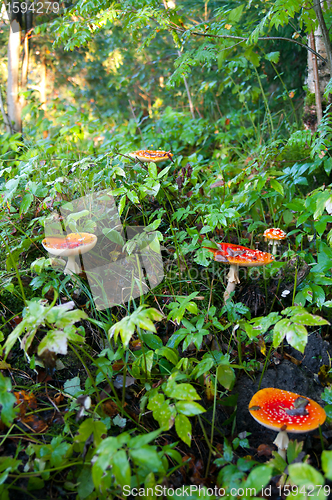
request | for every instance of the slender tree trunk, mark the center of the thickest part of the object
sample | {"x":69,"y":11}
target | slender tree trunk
{"x":25,"y":68}
{"x":13,"y":102}
{"x":43,"y":83}
{"x":317,"y":89}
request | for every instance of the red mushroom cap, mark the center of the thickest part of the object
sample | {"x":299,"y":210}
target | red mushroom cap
{"x":72,"y":244}
{"x":287,"y":411}
{"x":155,"y":156}
{"x":242,"y":256}
{"x":274,"y":233}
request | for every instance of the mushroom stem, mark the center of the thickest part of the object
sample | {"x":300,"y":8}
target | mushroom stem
{"x":232,"y":280}
{"x":72,"y":266}
{"x":282,"y":441}
{"x":275,"y":247}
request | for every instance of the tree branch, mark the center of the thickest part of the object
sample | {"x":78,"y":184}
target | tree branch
{"x":246,"y":39}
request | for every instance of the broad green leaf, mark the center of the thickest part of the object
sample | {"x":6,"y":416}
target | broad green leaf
{"x":226,"y":376}
{"x":156,"y":401}
{"x":143,"y":439}
{"x":146,"y":457}
{"x":279,"y":331}
{"x":152,"y":341}
{"x":169,"y":353}
{"x":182,"y":391}
{"x":7,"y":401}
{"x":121,"y":468}
{"x":165,"y":415}
{"x":303,"y":474}
{"x":297,"y":336}
{"x":114,"y":236}
{"x":26,"y":203}
{"x":326,"y":458}
{"x":309,"y":319}
{"x":122,"y":204}
{"x":183,"y":428}
{"x":259,"y":477}
{"x":277,"y":186}
{"x":189,"y":408}
{"x":54,"y":341}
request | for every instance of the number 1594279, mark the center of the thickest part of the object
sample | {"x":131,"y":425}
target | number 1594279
{"x":34,"y":7}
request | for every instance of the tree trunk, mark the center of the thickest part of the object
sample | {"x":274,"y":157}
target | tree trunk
{"x":13,"y":102}
{"x":322,"y":45}
{"x":25,"y":68}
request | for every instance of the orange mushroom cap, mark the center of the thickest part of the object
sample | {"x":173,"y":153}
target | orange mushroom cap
{"x":274,"y":233}
{"x":281,"y":410}
{"x":155,"y":156}
{"x":239,"y":255}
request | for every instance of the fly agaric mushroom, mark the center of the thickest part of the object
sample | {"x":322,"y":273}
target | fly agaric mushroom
{"x":274,"y":236}
{"x":237,"y":255}
{"x":70,"y":246}
{"x":285,"y":411}
{"x":149,"y":156}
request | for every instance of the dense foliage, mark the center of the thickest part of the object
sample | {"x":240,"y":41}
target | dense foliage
{"x":144,"y":392}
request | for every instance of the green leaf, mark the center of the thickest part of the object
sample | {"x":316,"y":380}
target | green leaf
{"x":259,"y":477}
{"x":153,"y":170}
{"x":279,"y":331}
{"x":26,"y":203}
{"x":189,"y":408}
{"x":309,"y":319}
{"x":121,"y":468}
{"x":326,"y":458}
{"x":113,"y":236}
{"x":147,"y":458}
{"x":297,"y":336}
{"x":235,"y":14}
{"x":273,"y":57}
{"x":165,"y":415}
{"x":169,"y":353}
{"x":182,"y":391}
{"x":156,"y":401}
{"x":152,"y":341}
{"x":122,"y":204}
{"x":183,"y":428}
{"x":72,"y":386}
{"x":303,"y":474}
{"x":54,"y":341}
{"x":7,"y":401}
{"x":277,"y":186}
{"x":226,"y":376}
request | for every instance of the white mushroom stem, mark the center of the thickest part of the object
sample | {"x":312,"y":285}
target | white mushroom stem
{"x":232,"y":280}
{"x":72,"y":266}
{"x":282,"y":441}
